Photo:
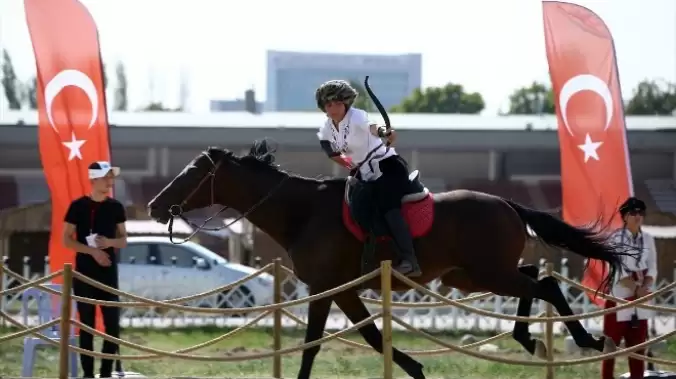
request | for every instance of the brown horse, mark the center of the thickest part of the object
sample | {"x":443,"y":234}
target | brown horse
{"x":474,"y":242}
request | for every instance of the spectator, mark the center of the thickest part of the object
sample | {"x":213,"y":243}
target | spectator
{"x":634,"y":282}
{"x":94,"y":227}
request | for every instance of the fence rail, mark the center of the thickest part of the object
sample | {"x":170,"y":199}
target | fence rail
{"x":421,"y":315}
{"x":385,"y":314}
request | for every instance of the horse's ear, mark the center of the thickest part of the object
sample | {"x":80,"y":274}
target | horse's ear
{"x":218,"y":151}
{"x":263,"y":150}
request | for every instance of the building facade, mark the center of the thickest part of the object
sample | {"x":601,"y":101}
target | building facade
{"x":292,"y":77}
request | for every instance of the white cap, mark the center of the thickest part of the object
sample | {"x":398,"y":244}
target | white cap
{"x":100,"y":169}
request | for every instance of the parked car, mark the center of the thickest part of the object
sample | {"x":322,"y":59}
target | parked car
{"x":155,"y":268}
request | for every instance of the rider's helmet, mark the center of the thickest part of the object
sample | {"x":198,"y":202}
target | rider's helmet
{"x":335,"y":90}
{"x":632,"y":205}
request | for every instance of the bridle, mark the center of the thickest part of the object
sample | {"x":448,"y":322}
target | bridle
{"x":176,"y":210}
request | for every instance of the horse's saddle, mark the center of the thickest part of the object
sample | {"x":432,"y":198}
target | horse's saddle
{"x":360,"y":198}
{"x":363,"y":211}
{"x":416,"y":191}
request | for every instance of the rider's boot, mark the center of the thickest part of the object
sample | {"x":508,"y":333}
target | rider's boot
{"x":408,"y":264}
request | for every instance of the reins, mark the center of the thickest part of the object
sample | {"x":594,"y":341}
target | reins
{"x":176,"y":210}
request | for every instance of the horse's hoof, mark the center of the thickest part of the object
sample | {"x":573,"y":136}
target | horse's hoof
{"x":417,"y":373}
{"x":540,"y":349}
{"x":609,"y":345}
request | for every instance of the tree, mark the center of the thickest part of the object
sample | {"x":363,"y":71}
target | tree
{"x":30,"y":94}
{"x":650,"y":98}
{"x":538,"y":98}
{"x":120,"y":96}
{"x":363,"y":100}
{"x":10,"y":82}
{"x":105,"y":76}
{"x":154,"y":107}
{"x":158,"y":107}
{"x":184,"y":90}
{"x":450,"y":98}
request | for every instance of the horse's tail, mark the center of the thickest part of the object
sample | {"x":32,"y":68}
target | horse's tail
{"x":589,"y":241}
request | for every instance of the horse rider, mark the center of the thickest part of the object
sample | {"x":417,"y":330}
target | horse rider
{"x":351,"y":140}
{"x":633,"y":282}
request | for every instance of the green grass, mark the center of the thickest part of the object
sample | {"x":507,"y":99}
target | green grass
{"x":334,"y":360}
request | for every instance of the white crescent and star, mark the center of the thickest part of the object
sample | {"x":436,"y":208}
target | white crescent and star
{"x":586,"y":82}
{"x":80,"y":80}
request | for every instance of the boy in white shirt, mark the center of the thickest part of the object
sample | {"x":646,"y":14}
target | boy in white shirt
{"x":633,"y":282}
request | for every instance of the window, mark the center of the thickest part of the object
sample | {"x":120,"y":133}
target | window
{"x":183,"y":257}
{"x":138,"y":253}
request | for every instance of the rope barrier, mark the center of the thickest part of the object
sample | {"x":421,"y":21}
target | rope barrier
{"x":141,"y":303}
{"x":411,"y":304}
{"x":626,"y":304}
{"x":277,"y":309}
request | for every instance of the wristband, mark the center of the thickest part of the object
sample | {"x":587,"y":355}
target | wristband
{"x":344,"y":161}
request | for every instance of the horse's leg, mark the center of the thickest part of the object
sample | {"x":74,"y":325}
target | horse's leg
{"x":521,"y":333}
{"x":551,"y":293}
{"x":318,"y":313}
{"x":356,"y":311}
{"x":518,"y":284}
{"x":460,"y":279}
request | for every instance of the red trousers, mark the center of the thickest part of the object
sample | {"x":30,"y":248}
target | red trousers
{"x":632,"y":336}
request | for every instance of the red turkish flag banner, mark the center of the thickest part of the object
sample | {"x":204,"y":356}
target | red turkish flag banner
{"x":73,"y":124}
{"x":595,"y":169}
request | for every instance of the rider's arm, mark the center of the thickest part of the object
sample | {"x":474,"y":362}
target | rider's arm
{"x":335,"y":156}
{"x":326,"y":146}
{"x":324,"y":135}
{"x":368,"y":128}
{"x":374,"y":129}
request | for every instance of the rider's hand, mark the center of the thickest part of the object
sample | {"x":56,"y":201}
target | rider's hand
{"x":392,"y":137}
{"x":344,"y":161}
{"x":101,"y":257}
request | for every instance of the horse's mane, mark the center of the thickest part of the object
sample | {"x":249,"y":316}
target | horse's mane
{"x":261,"y":156}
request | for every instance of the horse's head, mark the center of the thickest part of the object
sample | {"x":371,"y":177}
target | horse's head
{"x":192,"y":188}
{"x":215,"y":176}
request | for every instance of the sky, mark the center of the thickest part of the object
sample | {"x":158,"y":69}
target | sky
{"x":489,"y":46}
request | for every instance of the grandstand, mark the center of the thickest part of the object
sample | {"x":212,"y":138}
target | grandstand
{"x":511,"y":156}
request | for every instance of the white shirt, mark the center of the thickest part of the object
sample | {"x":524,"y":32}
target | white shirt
{"x":647,"y":261}
{"x":353,"y":138}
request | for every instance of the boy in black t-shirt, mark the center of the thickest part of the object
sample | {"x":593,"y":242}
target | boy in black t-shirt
{"x":95,"y":227}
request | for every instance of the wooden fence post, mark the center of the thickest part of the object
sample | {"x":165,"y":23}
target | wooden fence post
{"x":277,"y":319}
{"x":549,"y":328}
{"x":386,"y":296}
{"x":66,"y":311}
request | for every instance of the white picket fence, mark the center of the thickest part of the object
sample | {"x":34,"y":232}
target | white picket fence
{"x":442,"y":318}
